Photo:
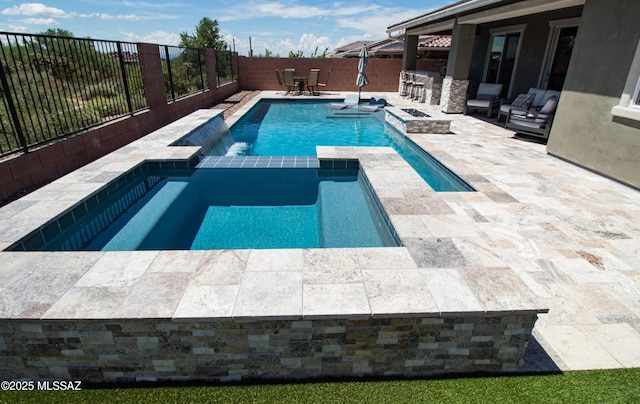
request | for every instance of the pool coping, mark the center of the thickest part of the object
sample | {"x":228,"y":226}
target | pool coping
{"x":403,"y":194}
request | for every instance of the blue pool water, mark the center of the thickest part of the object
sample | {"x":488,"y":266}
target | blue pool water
{"x":210,"y":209}
{"x":295,"y":128}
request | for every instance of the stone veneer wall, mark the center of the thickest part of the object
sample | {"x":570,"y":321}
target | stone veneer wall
{"x":234,"y":350}
{"x":410,"y":124}
{"x":434,"y":93}
{"x":454,"y":95}
{"x":396,"y":122}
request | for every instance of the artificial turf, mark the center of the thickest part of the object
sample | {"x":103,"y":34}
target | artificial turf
{"x":598,"y":386}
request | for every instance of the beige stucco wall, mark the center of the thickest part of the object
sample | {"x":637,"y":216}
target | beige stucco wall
{"x":584,"y":131}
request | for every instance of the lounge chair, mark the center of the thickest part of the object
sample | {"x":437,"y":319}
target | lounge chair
{"x":487,"y":98}
{"x":289,"y":81}
{"x":351,"y":100}
{"x":312,"y":81}
{"x":375,"y":103}
{"x":537,"y":123}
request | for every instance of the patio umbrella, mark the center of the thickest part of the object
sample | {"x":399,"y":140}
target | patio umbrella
{"x":362,"y":79}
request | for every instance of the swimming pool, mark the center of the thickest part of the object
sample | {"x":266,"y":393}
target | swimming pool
{"x":213,"y":209}
{"x":296,"y":127}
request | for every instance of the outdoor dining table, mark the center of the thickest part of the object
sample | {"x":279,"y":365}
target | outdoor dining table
{"x":302,"y":81}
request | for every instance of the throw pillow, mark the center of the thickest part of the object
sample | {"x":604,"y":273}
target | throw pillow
{"x":549,"y":107}
{"x":523,"y":101}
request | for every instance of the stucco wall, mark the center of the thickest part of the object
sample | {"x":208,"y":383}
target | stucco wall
{"x":584,"y":131}
{"x":383,"y":74}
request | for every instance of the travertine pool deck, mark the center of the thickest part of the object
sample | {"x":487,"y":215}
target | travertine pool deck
{"x":539,"y":233}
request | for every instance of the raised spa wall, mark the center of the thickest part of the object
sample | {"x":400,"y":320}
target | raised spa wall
{"x":416,"y":310}
{"x":234,"y":350}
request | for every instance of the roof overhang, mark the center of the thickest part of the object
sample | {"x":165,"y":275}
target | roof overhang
{"x":476,"y":12}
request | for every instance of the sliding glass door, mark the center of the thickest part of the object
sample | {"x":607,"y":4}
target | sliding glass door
{"x":503,"y":56}
{"x":557,"y":65}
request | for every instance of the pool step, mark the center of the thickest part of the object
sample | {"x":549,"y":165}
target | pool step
{"x":133,"y":234}
{"x":344,"y":222}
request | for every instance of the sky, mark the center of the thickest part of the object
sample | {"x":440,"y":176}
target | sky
{"x":280,"y":26}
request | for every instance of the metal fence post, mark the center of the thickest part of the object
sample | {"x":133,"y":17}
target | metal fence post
{"x":12,"y":110}
{"x":124,"y":78}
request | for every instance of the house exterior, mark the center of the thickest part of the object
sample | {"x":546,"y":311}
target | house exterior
{"x":588,"y":49}
{"x":429,"y":47}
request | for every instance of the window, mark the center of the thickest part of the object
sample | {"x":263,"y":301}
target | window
{"x":629,"y":105}
{"x":504,"y":47}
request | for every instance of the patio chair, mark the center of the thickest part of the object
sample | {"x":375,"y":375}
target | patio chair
{"x":312,"y":81}
{"x":409,"y":78}
{"x":289,"y":81}
{"x":279,"y":78}
{"x":487,"y":98}
{"x":537,"y":123}
{"x":326,"y":81}
{"x":540,"y":97}
{"x":351,"y":100}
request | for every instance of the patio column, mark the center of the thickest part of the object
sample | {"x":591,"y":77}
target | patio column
{"x":410,"y":52}
{"x":454,"y":85}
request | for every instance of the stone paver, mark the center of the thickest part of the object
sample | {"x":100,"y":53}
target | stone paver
{"x":538,"y":233}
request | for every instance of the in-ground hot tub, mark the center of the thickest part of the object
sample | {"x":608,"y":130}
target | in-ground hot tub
{"x":225,"y":208}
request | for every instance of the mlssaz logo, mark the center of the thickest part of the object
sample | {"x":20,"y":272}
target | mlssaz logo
{"x":59,"y":385}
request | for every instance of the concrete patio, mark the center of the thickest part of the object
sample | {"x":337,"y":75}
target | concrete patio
{"x":571,"y":236}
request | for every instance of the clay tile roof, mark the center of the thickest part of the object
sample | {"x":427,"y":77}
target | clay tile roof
{"x":353,"y":46}
{"x":436,"y":41}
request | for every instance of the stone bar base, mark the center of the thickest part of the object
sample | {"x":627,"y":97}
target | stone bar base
{"x":234,"y":350}
{"x":454,"y":95}
{"x":432,"y":95}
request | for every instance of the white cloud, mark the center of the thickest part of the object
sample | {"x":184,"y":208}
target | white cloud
{"x":40,"y":21}
{"x":309,"y":42}
{"x":128,"y":17}
{"x":35,"y":9}
{"x":147,"y":5}
{"x":243,"y":11}
{"x":375,"y":24}
{"x":158,"y":37}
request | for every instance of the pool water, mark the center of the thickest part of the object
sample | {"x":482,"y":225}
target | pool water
{"x":295,"y":128}
{"x":211,"y":209}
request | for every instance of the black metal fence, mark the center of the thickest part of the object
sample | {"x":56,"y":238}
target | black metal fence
{"x":184,"y":71}
{"x":224,"y":67}
{"x":53,"y":87}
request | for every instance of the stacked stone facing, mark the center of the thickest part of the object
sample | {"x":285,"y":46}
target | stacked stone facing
{"x":230,"y":350}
